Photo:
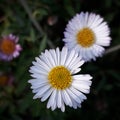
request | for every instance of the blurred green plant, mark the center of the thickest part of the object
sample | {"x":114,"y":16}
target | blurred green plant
{"x":30,"y":20}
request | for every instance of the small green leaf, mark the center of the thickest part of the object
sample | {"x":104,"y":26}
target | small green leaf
{"x":32,"y":35}
{"x":43,"y":43}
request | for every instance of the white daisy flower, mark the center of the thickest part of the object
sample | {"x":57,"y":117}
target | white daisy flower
{"x":54,"y":78}
{"x":87,"y":33}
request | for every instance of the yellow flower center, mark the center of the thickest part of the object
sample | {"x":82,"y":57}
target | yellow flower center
{"x":7,"y":46}
{"x":60,"y":77}
{"x":85,"y":37}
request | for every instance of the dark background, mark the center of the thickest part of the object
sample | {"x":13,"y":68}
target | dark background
{"x":16,"y":101}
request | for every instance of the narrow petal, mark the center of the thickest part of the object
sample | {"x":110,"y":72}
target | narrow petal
{"x":73,"y":96}
{"x":84,"y":89}
{"x":41,"y":91}
{"x":59,"y":99}
{"x":54,"y":56}
{"x":47,"y":94}
{"x":52,"y":99}
{"x":66,"y":98}
{"x":58,"y":56}
{"x":78,"y":93}
{"x":63,"y":55}
{"x":70,"y":57}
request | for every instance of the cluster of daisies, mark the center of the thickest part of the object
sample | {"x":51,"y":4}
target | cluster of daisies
{"x":56,"y":73}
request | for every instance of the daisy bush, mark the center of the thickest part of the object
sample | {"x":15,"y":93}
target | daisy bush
{"x":59,"y":60}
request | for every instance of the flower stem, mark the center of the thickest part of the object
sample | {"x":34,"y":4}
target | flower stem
{"x":28,"y":11}
{"x":113,"y":49}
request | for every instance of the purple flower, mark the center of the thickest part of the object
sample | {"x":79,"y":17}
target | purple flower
{"x":9,"y":48}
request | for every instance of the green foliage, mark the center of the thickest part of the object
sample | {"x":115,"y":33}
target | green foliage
{"x":16,"y":101}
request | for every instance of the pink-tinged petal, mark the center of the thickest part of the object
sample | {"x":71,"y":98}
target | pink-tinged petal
{"x":18,"y":47}
{"x":16,"y":39}
{"x":15,"y":54}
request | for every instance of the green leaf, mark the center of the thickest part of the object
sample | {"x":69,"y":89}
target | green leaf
{"x":32,"y":35}
{"x":43,"y":43}
{"x":69,"y":8}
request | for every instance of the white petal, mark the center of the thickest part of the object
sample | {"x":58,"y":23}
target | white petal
{"x":53,"y":107}
{"x":58,"y":56}
{"x":49,"y":56}
{"x":44,"y":58}
{"x":70,"y":57}
{"x":82,"y":77}
{"x":78,"y":64}
{"x":35,"y":81}
{"x":74,"y":71}
{"x":47,"y":94}
{"x":39,"y":85}
{"x":73,"y":60}
{"x":43,"y":64}
{"x":59,"y":99}
{"x":73,"y":96}
{"x":78,"y":93}
{"x":38,"y":76}
{"x":75,"y":104}
{"x":36,"y":70}
{"x":54,"y":56}
{"x":41,"y":91}
{"x":66,"y":98}
{"x":63,"y":107}
{"x":98,"y":50}
{"x":63,"y":55}
{"x":52,"y":99}
{"x":82,"y":88}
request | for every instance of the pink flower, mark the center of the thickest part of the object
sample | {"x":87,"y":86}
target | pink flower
{"x":9,"y":48}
